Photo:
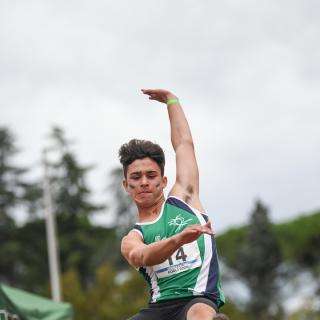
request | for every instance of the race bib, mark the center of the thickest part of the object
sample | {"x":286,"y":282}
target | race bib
{"x":185,"y":258}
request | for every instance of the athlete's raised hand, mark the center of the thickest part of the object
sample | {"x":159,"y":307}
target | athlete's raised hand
{"x":193,"y":232}
{"x":160,"y":95}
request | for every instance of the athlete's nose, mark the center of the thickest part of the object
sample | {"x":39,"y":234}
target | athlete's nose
{"x":144,"y":181}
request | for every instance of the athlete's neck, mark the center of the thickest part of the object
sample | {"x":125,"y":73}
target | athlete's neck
{"x":152,"y":212}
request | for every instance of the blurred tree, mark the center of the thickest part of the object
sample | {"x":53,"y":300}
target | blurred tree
{"x":104,"y":294}
{"x":305,"y":314}
{"x":32,"y":257}
{"x":74,"y":293}
{"x":229,"y":244}
{"x":11,"y":195}
{"x":16,"y":260}
{"x":133,"y":289}
{"x":125,"y":210}
{"x":32,"y":199}
{"x":10,"y":178}
{"x":300,"y":241}
{"x":23,"y":250}
{"x":112,"y":296}
{"x":233,"y":311}
{"x":71,"y":194}
{"x":258,"y":263}
{"x":73,"y":207}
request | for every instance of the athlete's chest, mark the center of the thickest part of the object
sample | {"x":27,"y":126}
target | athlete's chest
{"x":171,"y":221}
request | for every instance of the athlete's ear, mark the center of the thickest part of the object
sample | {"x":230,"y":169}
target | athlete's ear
{"x":164,"y":181}
{"x":125,"y":184}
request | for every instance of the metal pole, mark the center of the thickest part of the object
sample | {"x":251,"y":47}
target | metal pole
{"x":51,"y":235}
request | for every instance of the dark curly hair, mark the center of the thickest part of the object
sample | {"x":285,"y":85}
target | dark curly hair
{"x":139,"y":149}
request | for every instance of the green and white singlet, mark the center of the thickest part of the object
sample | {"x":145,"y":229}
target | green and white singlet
{"x":193,"y":269}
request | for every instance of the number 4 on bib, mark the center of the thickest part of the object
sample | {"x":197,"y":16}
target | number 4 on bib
{"x":179,"y":256}
{"x":185,"y":258}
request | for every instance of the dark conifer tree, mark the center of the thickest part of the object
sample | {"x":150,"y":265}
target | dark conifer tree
{"x":124,"y":209}
{"x":80,"y":246}
{"x":258,"y":263}
{"x":11,"y":195}
{"x":10,"y":178}
{"x":71,"y":193}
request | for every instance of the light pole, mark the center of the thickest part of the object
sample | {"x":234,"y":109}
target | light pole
{"x":51,"y":234}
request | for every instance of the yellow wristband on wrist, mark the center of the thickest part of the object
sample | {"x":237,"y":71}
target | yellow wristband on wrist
{"x":172,"y":101}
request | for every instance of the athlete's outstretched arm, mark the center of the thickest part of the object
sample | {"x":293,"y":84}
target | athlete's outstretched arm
{"x":186,"y":186}
{"x":139,"y":254}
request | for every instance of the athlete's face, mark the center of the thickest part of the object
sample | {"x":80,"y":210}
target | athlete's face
{"x":144,"y":182}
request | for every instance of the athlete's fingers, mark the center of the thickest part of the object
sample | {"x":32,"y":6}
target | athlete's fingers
{"x":194,"y":229}
{"x":148,"y":91}
{"x":197,"y":227}
{"x":152,"y":96}
{"x":208,"y":231}
{"x":207,"y":228}
{"x":208,"y":224}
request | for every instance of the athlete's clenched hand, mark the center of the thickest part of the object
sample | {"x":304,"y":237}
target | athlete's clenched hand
{"x":193,"y":232}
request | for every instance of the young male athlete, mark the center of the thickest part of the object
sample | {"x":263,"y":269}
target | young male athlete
{"x":172,"y":244}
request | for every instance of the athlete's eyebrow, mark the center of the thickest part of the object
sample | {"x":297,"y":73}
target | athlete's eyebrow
{"x":135,"y":173}
{"x":151,"y":171}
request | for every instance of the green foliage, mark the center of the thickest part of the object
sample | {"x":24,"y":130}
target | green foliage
{"x":10,"y":178}
{"x":73,"y":293}
{"x":125,"y":209}
{"x":108,"y":298}
{"x":229,"y":244}
{"x":134,"y":290}
{"x":13,"y":189}
{"x":258,"y":262}
{"x":300,"y":243}
{"x":9,"y":250}
{"x":305,"y":314}
{"x":31,"y":258}
{"x":300,"y":240}
{"x":233,"y":311}
{"x":71,"y":195}
{"x":84,"y":247}
{"x":70,"y":192}
{"x":25,"y":253}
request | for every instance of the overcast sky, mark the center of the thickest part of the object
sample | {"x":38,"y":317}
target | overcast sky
{"x":247,"y":73}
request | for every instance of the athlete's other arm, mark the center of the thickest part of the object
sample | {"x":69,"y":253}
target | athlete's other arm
{"x":186,"y":185}
{"x":139,"y":254}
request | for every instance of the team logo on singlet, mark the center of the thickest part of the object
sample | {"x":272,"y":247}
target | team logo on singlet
{"x":179,"y":222}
